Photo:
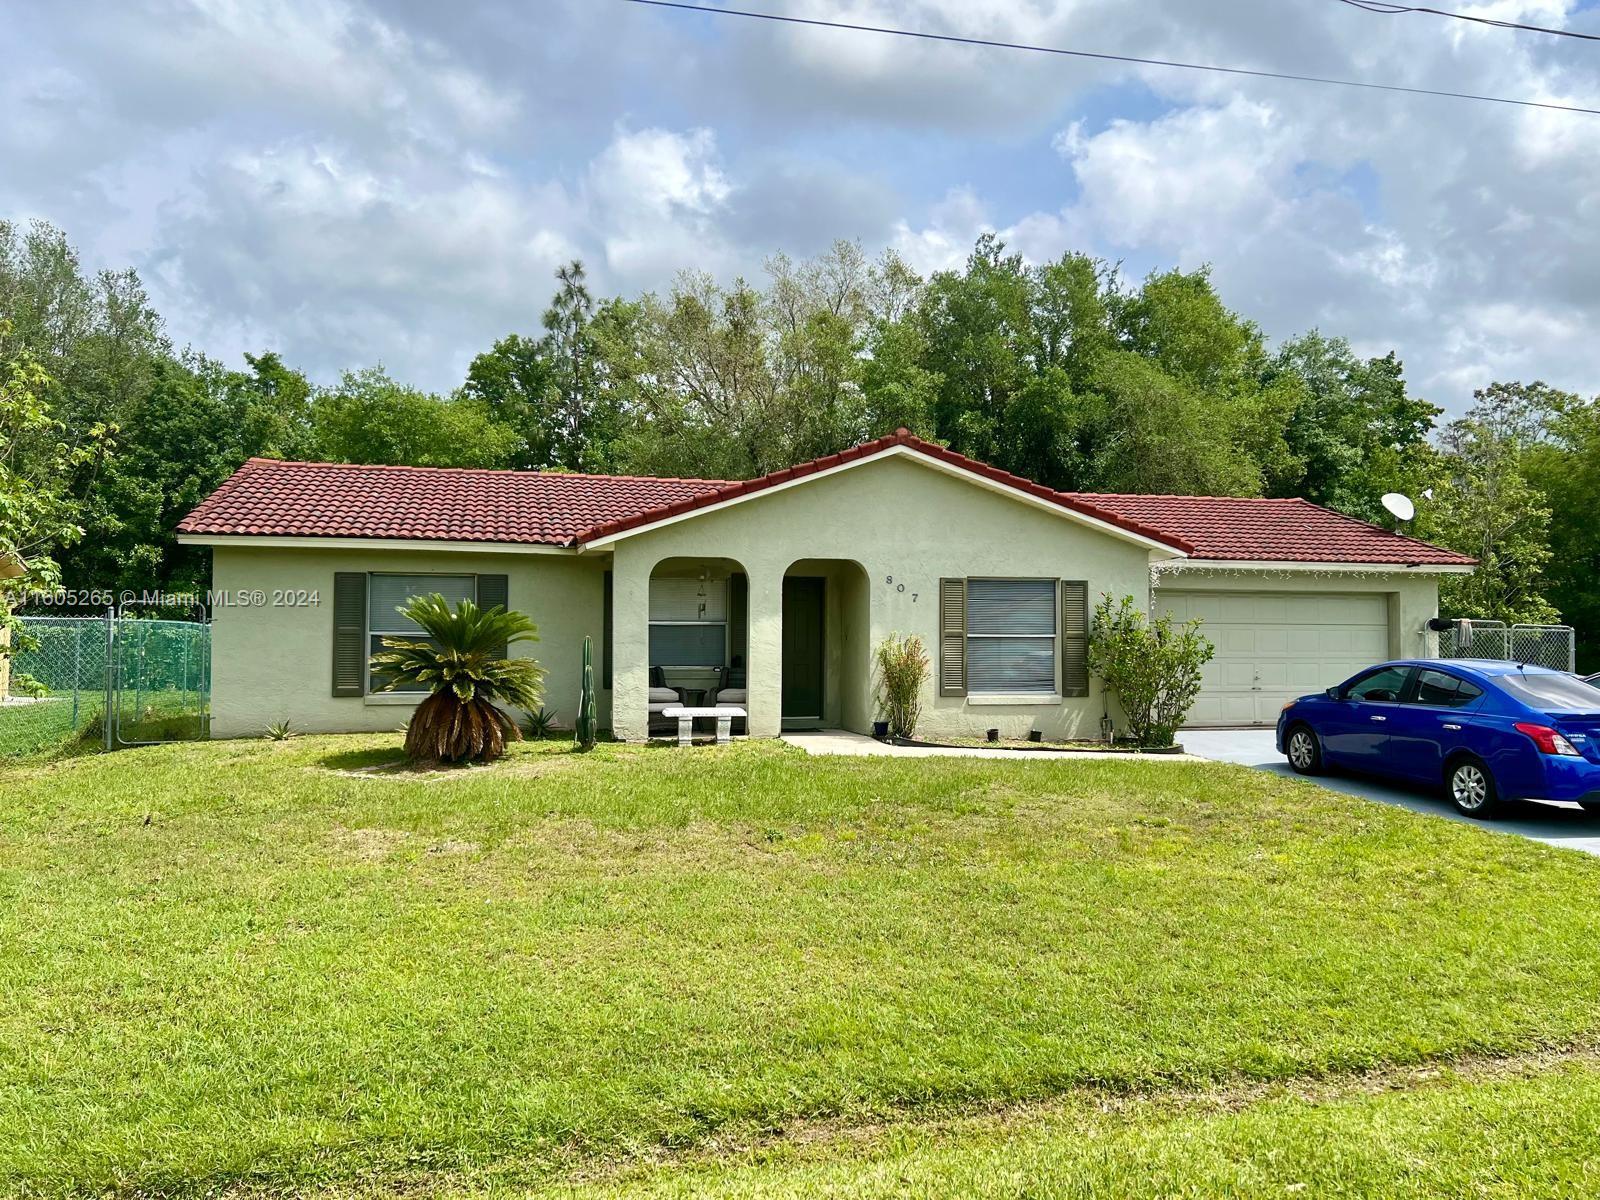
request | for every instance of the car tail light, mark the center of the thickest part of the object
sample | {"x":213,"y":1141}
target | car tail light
{"x":1548,"y":740}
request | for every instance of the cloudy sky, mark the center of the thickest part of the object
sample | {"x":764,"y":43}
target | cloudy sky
{"x":357,"y":183}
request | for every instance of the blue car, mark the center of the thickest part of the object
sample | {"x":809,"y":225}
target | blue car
{"x":1484,"y":731}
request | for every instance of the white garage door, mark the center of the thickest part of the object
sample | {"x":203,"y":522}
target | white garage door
{"x":1274,"y":646}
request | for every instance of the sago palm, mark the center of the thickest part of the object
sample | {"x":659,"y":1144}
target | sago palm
{"x":464,"y":665}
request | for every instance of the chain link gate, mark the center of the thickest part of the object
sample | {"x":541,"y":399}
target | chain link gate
{"x":106,"y":682}
{"x":1553,"y":646}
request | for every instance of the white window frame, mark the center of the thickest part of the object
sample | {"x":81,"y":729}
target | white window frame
{"x":1053,"y":694}
{"x":375,"y":697}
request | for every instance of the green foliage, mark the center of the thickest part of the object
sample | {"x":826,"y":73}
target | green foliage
{"x":1484,"y":505}
{"x":38,"y":458}
{"x":1151,"y":666}
{"x":549,"y":388}
{"x":23,"y":684}
{"x":369,"y":418}
{"x":464,"y":666}
{"x":902,"y":673}
{"x":1564,"y":466}
{"x":587,"y":727}
{"x":1356,"y":433}
{"x":279,"y":731}
{"x":540,"y":723}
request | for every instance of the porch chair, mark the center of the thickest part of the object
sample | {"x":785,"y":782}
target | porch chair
{"x":663,"y":697}
{"x":725,"y":696}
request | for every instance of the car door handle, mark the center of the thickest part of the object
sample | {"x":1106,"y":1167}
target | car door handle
{"x":1380,"y":718}
{"x":1449,"y":725}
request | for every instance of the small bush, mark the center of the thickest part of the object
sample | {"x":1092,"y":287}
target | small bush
{"x":1152,"y":667}
{"x":279,"y":731}
{"x":541,"y":724}
{"x":23,"y":684}
{"x":902,"y":670}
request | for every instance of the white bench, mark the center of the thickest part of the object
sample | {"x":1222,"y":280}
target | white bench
{"x":723,"y":714}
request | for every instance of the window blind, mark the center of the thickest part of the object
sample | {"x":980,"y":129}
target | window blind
{"x":1011,"y":636}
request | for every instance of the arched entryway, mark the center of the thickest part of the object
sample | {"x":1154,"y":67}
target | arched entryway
{"x":826,"y":647}
{"x":699,"y":636}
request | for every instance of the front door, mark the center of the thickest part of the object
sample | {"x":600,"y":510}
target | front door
{"x":802,"y":651}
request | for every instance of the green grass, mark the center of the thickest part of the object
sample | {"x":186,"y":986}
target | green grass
{"x":1509,"y":1138}
{"x":283,"y":965}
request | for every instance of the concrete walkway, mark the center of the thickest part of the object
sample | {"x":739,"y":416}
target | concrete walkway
{"x":837,"y":741}
{"x":1564,"y":825}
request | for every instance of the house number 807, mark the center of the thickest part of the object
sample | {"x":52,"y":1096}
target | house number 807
{"x":899,"y":587}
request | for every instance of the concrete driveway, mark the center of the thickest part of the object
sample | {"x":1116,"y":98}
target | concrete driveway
{"x":1564,"y":825}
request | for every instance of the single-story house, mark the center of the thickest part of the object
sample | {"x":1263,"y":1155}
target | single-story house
{"x":775,"y":591}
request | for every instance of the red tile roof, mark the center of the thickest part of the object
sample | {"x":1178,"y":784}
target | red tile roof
{"x":1232,"y":528}
{"x":290,"y":499}
{"x":294,"y":499}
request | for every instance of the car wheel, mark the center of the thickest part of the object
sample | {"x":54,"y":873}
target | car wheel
{"x":1304,"y":754}
{"x":1472,"y":789}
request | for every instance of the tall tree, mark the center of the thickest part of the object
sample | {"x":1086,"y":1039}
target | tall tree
{"x":1563,"y":463}
{"x":369,"y":418}
{"x":1356,"y":432}
{"x":1484,"y":505}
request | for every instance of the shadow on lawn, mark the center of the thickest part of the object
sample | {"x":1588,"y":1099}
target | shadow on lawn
{"x":391,"y":760}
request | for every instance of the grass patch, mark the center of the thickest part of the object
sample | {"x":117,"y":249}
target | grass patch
{"x":265,"y":965}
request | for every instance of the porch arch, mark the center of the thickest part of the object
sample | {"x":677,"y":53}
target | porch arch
{"x":697,"y":636}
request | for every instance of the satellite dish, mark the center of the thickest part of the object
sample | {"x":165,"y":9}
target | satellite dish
{"x":1399,"y":506}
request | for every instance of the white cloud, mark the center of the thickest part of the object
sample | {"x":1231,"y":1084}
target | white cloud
{"x":352,"y":182}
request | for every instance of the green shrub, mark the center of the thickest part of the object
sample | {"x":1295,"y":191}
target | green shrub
{"x":902,"y":670}
{"x":1151,"y":667}
{"x":540,"y":724}
{"x":23,"y":684}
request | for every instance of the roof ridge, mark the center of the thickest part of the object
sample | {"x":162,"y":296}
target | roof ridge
{"x":1183,"y":496}
{"x":513,"y":471}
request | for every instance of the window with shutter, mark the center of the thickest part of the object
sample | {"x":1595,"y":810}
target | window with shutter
{"x":1011,"y":637}
{"x":387,"y":594}
{"x":952,"y":637}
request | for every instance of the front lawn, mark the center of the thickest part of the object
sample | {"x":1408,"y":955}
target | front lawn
{"x":281,"y":964}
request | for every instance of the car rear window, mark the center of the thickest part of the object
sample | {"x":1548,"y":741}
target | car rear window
{"x":1562,"y":693}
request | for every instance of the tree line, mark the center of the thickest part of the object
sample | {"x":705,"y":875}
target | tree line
{"x":1066,"y":372}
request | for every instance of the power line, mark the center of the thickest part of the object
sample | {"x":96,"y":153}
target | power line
{"x":1105,"y":57}
{"x":1395,"y":10}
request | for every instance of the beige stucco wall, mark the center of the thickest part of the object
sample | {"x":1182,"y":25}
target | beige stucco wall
{"x":274,"y":663}
{"x":908,"y":525}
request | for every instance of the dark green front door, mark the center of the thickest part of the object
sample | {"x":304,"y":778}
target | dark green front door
{"x":802,"y":651}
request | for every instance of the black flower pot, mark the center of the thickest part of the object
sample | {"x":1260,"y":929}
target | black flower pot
{"x":993,"y":735}
{"x":1036,"y":735}
{"x":880,"y":730}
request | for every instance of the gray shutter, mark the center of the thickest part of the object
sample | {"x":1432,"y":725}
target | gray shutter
{"x":494,"y":591}
{"x":1074,"y":637}
{"x":606,"y":602}
{"x":349,"y":633}
{"x":952,"y":637}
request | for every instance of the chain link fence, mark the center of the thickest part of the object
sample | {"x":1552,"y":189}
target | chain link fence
{"x":1553,"y":646}
{"x":101,"y":682}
